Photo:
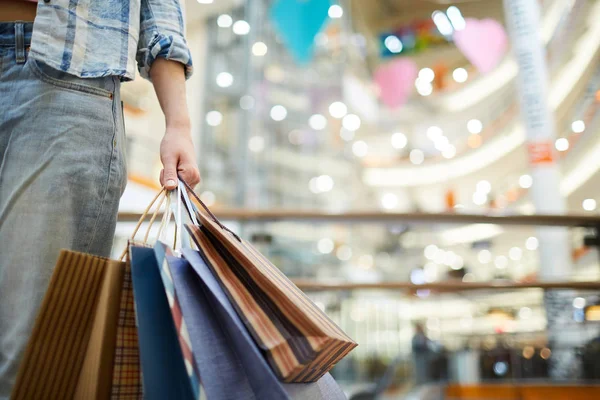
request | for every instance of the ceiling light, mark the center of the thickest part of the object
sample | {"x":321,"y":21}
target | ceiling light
{"x":393,"y":44}
{"x":214,"y":118}
{"x":441,"y":143}
{"x":449,"y":258}
{"x":449,"y":151}
{"x":317,"y":122}
{"x":256,"y":144}
{"x":483,"y":187}
{"x":278,"y":113}
{"x":365,"y":261}
{"x":399,"y":140}
{"x":440,"y":256}
{"x":224,"y":21}
{"x":474,"y":141}
{"x":458,"y":263}
{"x":525,"y":313}
{"x":484,"y":256}
{"x":241,"y":27}
{"x":296,"y":137}
{"x":525,"y":181}
{"x":578,"y":126}
{"x":335,"y":11}
{"x":337,"y":109}
{"x":456,"y":18}
{"x":531,"y":243}
{"x":460,"y":75}
{"x":430,"y":272}
{"x":247,"y":102}
{"x":474,"y":126}
{"x":259,"y":49}
{"x":351,"y":122}
{"x":224,"y":79}
{"x":442,"y":23}
{"x":426,"y":75}
{"x":205,"y":1}
{"x":479,"y":198}
{"x":430,"y":251}
{"x":324,"y":183}
{"x":501,"y":262}
{"x":325,"y":246}
{"x":579,"y":302}
{"x":589,"y":204}
{"x":434,"y":132}
{"x":424,"y":88}
{"x":416,"y":156}
{"x":561,"y":144}
{"x":344,"y":253}
{"x":515,"y":253}
{"x":312,"y":185}
{"x":360,"y":148}
{"x":389,"y":201}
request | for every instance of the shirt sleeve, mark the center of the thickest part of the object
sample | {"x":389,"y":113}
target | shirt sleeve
{"x":161,"y":35}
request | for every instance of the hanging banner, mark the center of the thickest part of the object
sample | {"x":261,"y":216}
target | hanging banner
{"x":298,"y":22}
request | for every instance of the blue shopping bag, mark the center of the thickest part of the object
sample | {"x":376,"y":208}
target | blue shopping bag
{"x":230,"y":363}
{"x":163,"y":369}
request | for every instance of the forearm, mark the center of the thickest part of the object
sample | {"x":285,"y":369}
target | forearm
{"x":176,"y":147}
{"x":168,"y":79}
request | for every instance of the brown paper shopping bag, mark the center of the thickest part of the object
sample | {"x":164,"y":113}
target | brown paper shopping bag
{"x":298,"y":339}
{"x":71,"y":352}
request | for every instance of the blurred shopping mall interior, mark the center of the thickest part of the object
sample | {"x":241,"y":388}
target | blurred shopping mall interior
{"x":426,"y":170}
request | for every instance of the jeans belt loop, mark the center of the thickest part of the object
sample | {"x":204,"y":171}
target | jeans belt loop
{"x":20,"y":42}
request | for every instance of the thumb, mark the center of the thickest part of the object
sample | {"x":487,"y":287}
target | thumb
{"x":169,"y":178}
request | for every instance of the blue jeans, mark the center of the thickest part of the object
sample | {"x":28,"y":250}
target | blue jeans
{"x":62,"y":173}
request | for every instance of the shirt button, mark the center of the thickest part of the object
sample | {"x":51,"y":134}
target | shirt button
{"x":46,"y":1}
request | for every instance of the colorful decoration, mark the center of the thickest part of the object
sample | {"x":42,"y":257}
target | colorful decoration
{"x":396,"y":81}
{"x":298,"y":22}
{"x":483,"y":43}
{"x":416,"y":37}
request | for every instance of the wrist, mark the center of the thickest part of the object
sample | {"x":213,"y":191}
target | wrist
{"x":179,"y":123}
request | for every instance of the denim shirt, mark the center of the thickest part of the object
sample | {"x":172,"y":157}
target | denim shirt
{"x":95,"y":38}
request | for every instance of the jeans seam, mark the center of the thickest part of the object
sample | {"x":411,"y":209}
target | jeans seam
{"x":108,"y":179}
{"x":78,"y":88}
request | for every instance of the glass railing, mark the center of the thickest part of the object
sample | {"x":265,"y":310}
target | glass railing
{"x":471,"y":282}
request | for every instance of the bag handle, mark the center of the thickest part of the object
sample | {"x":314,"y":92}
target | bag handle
{"x":190,"y":190}
{"x":162,"y":195}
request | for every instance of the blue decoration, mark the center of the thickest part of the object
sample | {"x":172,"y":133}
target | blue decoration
{"x":298,"y":22}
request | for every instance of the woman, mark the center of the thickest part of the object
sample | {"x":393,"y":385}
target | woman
{"x":62,"y":161}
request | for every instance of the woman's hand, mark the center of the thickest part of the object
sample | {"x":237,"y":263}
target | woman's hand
{"x":176,"y":149}
{"x":178,"y":158}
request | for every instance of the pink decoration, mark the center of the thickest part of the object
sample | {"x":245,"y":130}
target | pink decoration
{"x":396,"y":81}
{"x":483,"y":42}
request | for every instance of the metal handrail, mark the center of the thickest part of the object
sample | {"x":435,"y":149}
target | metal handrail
{"x":312,"y":285}
{"x":249,"y":215}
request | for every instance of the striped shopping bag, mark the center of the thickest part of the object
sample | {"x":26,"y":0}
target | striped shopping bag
{"x":84,"y":341}
{"x":300,"y":342}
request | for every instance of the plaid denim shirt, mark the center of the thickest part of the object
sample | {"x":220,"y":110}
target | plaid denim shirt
{"x":95,"y":38}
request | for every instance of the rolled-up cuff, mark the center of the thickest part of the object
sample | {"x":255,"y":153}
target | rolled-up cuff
{"x":169,"y":47}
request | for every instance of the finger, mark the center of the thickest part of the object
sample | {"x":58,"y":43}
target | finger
{"x":190,"y":174}
{"x":162,"y":177}
{"x":170,"y":173}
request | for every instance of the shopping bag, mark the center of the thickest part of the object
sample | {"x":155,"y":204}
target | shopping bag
{"x":222,"y":339}
{"x":161,"y":251}
{"x":300,"y":342}
{"x":77,"y":336}
{"x":164,"y":371}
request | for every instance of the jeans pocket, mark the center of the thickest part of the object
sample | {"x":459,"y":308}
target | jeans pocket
{"x":66,"y":81}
